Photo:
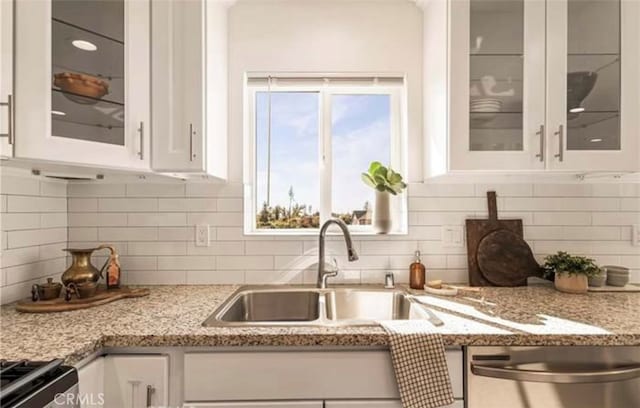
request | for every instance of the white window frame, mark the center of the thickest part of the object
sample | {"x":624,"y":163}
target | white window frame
{"x":398,"y":147}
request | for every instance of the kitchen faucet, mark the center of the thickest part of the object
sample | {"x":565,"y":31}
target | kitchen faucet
{"x":351,"y":252}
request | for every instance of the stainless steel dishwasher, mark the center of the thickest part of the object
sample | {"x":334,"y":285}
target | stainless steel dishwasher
{"x":553,"y":377}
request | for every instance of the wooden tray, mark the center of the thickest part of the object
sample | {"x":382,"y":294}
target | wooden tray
{"x":101,"y":297}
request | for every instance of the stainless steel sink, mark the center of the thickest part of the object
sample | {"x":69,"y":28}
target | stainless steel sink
{"x":365,"y":304}
{"x":306,"y":306}
{"x":273,"y":305}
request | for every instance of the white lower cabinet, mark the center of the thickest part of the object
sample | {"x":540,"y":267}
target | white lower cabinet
{"x":258,"y":404}
{"x":91,"y":384}
{"x":125,"y":381}
{"x":342,"y":379}
{"x":136,"y":381}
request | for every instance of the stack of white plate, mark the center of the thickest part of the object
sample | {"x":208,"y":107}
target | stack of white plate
{"x":486,"y":105}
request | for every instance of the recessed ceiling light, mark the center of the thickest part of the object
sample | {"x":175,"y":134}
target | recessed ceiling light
{"x":58,"y":113}
{"x":84,"y":45}
{"x":595,"y":140}
{"x":577,"y":110}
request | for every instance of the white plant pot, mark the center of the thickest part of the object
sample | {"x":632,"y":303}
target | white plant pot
{"x":382,"y":221}
{"x":571,"y":283}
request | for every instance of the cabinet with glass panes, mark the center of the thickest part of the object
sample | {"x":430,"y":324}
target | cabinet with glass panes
{"x":82,"y":81}
{"x":549,"y":85}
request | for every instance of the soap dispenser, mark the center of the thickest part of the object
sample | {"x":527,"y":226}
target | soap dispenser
{"x":417,"y":273}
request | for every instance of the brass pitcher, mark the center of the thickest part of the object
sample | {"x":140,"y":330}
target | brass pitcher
{"x":81,"y":269}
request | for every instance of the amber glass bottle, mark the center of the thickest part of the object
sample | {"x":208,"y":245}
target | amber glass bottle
{"x":417,"y":273}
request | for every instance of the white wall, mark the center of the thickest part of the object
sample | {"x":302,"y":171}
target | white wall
{"x":325,"y":36}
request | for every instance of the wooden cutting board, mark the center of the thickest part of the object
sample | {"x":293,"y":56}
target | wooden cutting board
{"x":101,"y":297}
{"x":496,"y":251}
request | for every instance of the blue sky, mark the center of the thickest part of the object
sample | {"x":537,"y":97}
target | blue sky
{"x":360,"y":134}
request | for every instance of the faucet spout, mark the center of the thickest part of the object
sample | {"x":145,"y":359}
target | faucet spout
{"x":352,"y":255}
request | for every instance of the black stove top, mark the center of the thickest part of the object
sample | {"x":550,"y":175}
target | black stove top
{"x":33,"y":383}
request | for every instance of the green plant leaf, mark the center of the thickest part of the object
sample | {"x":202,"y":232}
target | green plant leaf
{"x":374,"y":166}
{"x":368,"y":180}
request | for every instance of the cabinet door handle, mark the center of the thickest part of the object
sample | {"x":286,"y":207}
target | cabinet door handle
{"x":9,"y":105}
{"x":141,"y":132}
{"x":191,"y":155}
{"x":560,"y":134}
{"x":150,"y":391}
{"x":541,"y":133}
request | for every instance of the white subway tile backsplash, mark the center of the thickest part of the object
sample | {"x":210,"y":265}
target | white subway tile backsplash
{"x":564,"y":204}
{"x":156,"y":219}
{"x":19,"y":185}
{"x":217,"y":248}
{"x":157,"y":248}
{"x":53,"y":220}
{"x":76,"y":205}
{"x":128,"y":204}
{"x":191,"y":262}
{"x":274,"y":248}
{"x":82,"y":233}
{"x":214,"y":277}
{"x":562,"y":190}
{"x":245,"y":262}
{"x":505,"y":190}
{"x":112,"y":234}
{"x":617,"y":218}
{"x":562,"y":218}
{"x":53,"y":189}
{"x":441,"y":190}
{"x":20,"y":221}
{"x":630,"y":204}
{"x":152,"y":226}
{"x":230,"y":204}
{"x":179,"y":234}
{"x":216,"y":219}
{"x":94,"y":189}
{"x":155,"y":190}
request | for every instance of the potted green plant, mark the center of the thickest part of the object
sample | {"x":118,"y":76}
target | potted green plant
{"x":571,"y":273}
{"x":386,"y":182}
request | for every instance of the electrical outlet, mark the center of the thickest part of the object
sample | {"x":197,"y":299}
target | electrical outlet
{"x":635,"y":235}
{"x":452,"y":236}
{"x":202,"y":235}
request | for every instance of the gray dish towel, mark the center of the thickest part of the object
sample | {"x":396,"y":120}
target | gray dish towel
{"x":419,"y":363}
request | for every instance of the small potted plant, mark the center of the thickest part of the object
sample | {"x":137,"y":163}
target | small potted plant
{"x":386,"y":182}
{"x":571,"y":273}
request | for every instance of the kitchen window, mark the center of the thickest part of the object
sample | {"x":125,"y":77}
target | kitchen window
{"x":308,"y":141}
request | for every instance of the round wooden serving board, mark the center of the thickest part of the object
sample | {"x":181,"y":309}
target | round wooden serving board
{"x":505,"y":259}
{"x":101,"y":297}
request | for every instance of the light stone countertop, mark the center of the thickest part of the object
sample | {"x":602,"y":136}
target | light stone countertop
{"x":173,"y":315}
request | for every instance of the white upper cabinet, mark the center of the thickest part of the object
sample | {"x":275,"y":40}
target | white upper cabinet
{"x":542,"y":85}
{"x":189,"y":110}
{"x":82,"y":83}
{"x":6,"y":78}
{"x":593,"y":85}
{"x":497,"y":84}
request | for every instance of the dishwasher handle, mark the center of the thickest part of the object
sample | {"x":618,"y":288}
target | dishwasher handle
{"x":621,"y":373}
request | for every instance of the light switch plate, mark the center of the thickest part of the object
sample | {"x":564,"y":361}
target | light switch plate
{"x":452,"y":236}
{"x":635,"y":235}
{"x":202,"y":235}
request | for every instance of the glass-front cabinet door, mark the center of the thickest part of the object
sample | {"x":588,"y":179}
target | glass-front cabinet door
{"x":82,"y":73}
{"x":497,"y":117}
{"x":593,"y":87}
